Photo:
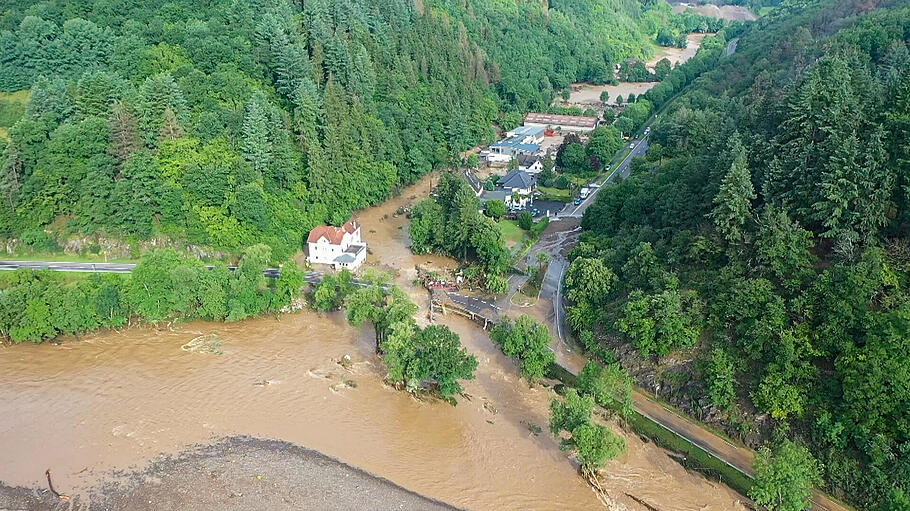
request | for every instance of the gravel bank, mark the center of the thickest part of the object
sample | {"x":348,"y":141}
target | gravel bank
{"x":237,"y":473}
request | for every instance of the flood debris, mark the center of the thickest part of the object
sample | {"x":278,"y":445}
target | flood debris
{"x":642,"y":502}
{"x":206,"y":343}
{"x":50,"y":486}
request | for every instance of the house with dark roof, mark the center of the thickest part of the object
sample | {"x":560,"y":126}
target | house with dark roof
{"x":516,"y":188}
{"x":530,"y":163}
{"x":340,"y":247}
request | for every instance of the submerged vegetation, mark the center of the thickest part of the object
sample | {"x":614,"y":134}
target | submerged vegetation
{"x":415,"y":358}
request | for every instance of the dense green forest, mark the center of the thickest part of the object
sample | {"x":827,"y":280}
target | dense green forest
{"x":227,"y":123}
{"x":759,"y":253}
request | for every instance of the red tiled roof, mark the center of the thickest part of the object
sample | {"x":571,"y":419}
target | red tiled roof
{"x":350,"y":226}
{"x":334,"y":234}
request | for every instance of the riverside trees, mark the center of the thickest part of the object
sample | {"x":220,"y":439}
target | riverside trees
{"x":528,"y":341}
{"x":415,"y":357}
{"x":594,"y":444}
{"x":784,"y":477}
{"x":451,"y":223}
{"x":166,"y":285}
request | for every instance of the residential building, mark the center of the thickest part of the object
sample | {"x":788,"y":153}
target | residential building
{"x":530,"y":163}
{"x":519,"y":187}
{"x":561,"y":122}
{"x":340,"y":247}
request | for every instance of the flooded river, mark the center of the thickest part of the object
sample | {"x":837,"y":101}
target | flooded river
{"x":116,"y":400}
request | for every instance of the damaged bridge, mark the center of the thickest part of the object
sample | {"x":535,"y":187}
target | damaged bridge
{"x":480,"y":311}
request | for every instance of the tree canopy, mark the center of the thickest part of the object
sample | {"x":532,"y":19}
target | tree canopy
{"x":765,"y":233}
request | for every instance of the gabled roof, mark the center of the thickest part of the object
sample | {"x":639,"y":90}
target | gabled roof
{"x":526,"y":160}
{"x":350,"y":226}
{"x":516,"y":179}
{"x":473,"y":181}
{"x":335,"y":235}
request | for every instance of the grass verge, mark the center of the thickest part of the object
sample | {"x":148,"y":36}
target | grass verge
{"x":552,"y":193}
{"x":511,"y":233}
{"x":694,"y":457}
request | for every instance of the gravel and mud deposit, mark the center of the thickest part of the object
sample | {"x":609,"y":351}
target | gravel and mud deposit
{"x":237,"y":473}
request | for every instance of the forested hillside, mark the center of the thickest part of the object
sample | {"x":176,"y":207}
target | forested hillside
{"x":225,"y":123}
{"x":759,"y":255}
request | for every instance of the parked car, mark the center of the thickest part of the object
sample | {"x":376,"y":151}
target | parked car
{"x":632,"y":145}
{"x":578,"y":202}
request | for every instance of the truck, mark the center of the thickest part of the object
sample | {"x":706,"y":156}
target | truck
{"x":584,"y":193}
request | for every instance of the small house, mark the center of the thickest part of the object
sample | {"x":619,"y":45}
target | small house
{"x":530,"y":163}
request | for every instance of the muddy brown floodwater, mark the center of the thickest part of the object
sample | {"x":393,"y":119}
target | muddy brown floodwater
{"x":117,"y":400}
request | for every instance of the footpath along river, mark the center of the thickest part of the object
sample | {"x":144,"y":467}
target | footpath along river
{"x":116,"y":400}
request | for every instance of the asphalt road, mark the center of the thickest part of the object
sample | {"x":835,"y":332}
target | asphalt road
{"x":311,"y":277}
{"x":69,"y":266}
{"x":621,"y":171}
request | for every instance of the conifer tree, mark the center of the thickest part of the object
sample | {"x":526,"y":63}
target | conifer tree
{"x":256,"y":145}
{"x":124,"y":131}
{"x":732,"y":202}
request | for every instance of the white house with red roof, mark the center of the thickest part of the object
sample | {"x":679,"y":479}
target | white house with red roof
{"x":340,"y":247}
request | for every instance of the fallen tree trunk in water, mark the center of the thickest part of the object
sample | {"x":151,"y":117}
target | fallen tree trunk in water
{"x":50,"y":486}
